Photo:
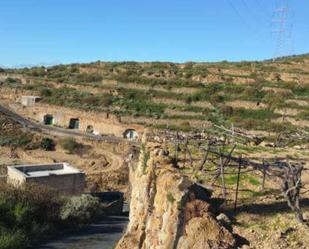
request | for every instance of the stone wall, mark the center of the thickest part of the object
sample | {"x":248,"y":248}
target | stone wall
{"x":69,"y":184}
{"x":3,"y":179}
{"x":167,"y":211}
{"x":13,"y":94}
{"x":14,"y":177}
{"x":102,"y":123}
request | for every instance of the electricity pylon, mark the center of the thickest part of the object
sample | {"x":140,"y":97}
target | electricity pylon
{"x":282,"y":30}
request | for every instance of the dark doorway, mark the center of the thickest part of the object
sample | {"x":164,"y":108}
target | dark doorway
{"x":89,"y":129}
{"x":48,"y":119}
{"x":130,"y":134}
{"x":74,"y":123}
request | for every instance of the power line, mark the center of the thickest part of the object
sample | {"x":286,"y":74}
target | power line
{"x":262,"y":10}
{"x":252,"y":13}
{"x":255,"y":31}
{"x":244,"y":21}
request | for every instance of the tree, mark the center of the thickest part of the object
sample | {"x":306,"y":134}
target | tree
{"x":47,"y":144}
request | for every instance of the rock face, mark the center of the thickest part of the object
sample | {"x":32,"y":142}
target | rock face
{"x":168,"y":211}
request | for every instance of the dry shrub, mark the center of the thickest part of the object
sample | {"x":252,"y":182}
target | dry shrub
{"x":29,"y":212}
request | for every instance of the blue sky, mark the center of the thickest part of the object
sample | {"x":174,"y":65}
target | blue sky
{"x":65,"y":31}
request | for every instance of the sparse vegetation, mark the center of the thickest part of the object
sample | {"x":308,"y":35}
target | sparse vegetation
{"x":10,"y":136}
{"x":137,"y":89}
{"x":81,"y":210}
{"x":70,"y":145}
{"x":248,"y":96}
{"x":47,"y":144}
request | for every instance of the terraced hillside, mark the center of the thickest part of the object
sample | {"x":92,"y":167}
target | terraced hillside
{"x":269,"y":96}
{"x":253,"y":99}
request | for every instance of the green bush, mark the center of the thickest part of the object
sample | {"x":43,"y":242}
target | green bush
{"x":26,"y":213}
{"x":81,"y":210}
{"x":47,"y":144}
{"x":14,"y":139}
{"x":13,"y":240}
{"x":10,"y":80}
{"x":46,"y":92}
{"x":34,"y":212}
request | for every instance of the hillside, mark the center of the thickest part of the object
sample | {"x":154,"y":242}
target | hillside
{"x":264,"y":104}
{"x":262,"y":96}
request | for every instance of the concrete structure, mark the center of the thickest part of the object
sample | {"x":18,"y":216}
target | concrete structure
{"x":84,"y":121}
{"x":29,"y":100}
{"x":59,"y":176}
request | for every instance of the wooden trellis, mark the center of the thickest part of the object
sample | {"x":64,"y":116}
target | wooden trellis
{"x":212,"y":152}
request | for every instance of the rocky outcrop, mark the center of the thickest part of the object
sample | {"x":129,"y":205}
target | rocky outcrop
{"x":167,"y":210}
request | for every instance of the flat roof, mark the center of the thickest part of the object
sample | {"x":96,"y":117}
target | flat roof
{"x":29,"y":96}
{"x":41,"y":170}
{"x":49,"y":172}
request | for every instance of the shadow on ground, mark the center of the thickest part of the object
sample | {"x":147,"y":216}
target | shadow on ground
{"x":101,"y":235}
{"x":267,"y":208}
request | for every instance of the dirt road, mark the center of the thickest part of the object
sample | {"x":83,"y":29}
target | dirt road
{"x":57,"y":131}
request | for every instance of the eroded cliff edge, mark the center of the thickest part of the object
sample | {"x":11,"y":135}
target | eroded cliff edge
{"x":167,"y":210}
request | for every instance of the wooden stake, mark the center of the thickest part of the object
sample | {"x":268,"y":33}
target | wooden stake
{"x":264,"y":175}
{"x":222,"y":178}
{"x":176,"y":148}
{"x":237,"y":186}
{"x":205,"y":158}
{"x":186,"y":151}
{"x":190,"y":156}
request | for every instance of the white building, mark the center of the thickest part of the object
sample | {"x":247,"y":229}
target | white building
{"x":29,"y":100}
{"x":59,"y":176}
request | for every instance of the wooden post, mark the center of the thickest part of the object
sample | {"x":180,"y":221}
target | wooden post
{"x":264,"y":175}
{"x":237,"y":186}
{"x":204,"y":158}
{"x":227,"y":161}
{"x":176,"y":148}
{"x":190,"y":156}
{"x":186,"y":151}
{"x":222,"y":177}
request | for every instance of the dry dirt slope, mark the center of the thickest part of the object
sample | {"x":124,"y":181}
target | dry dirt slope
{"x":103,"y":163}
